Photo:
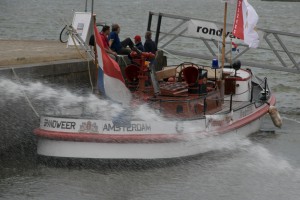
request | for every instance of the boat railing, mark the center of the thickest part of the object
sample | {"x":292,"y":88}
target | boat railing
{"x":278,"y":50}
{"x":210,"y":103}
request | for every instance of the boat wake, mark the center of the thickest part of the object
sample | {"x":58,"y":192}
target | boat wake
{"x":268,"y":165}
{"x":292,"y":119}
{"x":57,"y":101}
{"x":253,"y":157}
{"x":262,"y":160}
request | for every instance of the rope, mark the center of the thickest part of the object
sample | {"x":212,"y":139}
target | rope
{"x":91,"y":82}
{"x":242,"y":92}
{"x":85,"y":58}
{"x":72,"y":36}
{"x":26,"y":97}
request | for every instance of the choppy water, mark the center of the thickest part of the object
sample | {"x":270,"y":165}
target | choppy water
{"x":265,"y":166}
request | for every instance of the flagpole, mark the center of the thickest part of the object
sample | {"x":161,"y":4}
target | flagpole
{"x":95,"y":51}
{"x":224,"y":35}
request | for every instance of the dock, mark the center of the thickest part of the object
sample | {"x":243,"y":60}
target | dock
{"x":20,"y":52}
{"x":44,"y":60}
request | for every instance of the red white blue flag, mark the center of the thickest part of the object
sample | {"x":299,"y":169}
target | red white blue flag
{"x":245,"y":21}
{"x":110,"y":80}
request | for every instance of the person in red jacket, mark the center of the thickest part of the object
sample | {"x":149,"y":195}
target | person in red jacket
{"x":104,"y":37}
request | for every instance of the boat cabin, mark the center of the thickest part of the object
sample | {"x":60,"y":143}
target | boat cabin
{"x":183,"y":91}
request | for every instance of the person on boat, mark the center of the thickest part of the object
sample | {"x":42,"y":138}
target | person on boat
{"x":149,"y":45}
{"x":138,"y":43}
{"x":104,"y":37}
{"x":116,"y":45}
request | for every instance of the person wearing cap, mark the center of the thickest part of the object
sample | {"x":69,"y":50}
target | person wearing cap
{"x":138,"y":43}
{"x":149,"y":44}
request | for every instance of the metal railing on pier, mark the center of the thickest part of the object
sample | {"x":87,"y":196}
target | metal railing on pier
{"x":277,"y":51}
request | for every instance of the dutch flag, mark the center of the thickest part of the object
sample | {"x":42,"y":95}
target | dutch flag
{"x":110,"y":80}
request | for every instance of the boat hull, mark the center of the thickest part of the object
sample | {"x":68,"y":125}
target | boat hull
{"x":99,"y":139}
{"x":148,"y":150}
{"x":151,"y":150}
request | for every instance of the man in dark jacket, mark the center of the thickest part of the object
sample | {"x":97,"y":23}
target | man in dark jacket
{"x":149,"y":45}
{"x":116,"y":45}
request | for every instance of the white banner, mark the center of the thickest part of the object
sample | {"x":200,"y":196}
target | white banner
{"x":208,"y":30}
{"x":82,"y":24}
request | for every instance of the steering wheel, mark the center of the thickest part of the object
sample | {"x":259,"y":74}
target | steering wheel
{"x":179,"y":70}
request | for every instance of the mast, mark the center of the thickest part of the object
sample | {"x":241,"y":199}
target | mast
{"x":224,"y":36}
{"x":96,"y":89}
{"x":92,"y":6}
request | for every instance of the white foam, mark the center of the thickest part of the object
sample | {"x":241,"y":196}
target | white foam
{"x":60,"y":101}
{"x":294,"y":120}
{"x":144,"y":112}
{"x":262,"y":160}
{"x":50,"y":100}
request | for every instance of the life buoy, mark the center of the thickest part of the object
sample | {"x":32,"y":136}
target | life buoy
{"x":275,"y":116}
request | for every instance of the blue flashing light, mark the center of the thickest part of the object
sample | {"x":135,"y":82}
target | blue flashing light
{"x":215,"y":64}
